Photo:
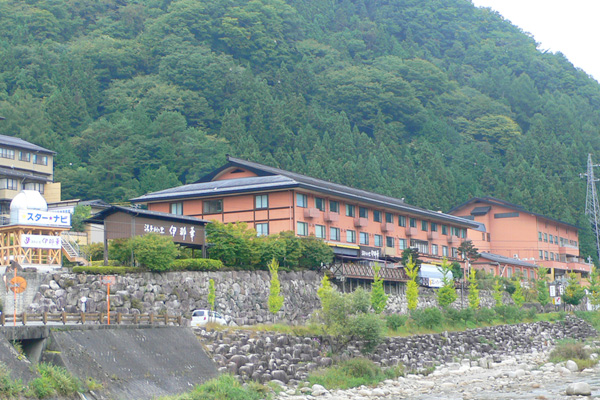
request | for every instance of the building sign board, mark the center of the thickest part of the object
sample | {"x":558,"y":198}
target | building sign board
{"x":370,"y":252}
{"x":40,"y":241}
{"x":43,"y":218}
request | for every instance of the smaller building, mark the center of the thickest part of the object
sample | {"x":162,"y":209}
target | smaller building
{"x":127,"y":222}
{"x":517,"y":238}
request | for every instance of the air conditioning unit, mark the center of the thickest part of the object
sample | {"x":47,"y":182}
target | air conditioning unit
{"x":516,"y":256}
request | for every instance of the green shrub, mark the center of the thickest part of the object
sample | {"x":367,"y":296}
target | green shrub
{"x":348,"y":374}
{"x":485,"y":315}
{"x":367,"y":327}
{"x":112,"y":263}
{"x":154,"y":251}
{"x":428,"y":318}
{"x":105,"y":270}
{"x":9,"y":389}
{"x":196,"y":264}
{"x":54,"y":380}
{"x":572,"y":350}
{"x":225,"y":387}
{"x":395,"y":321}
{"x":509,"y":313}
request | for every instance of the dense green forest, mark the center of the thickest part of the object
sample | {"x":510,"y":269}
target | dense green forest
{"x":431,"y":100}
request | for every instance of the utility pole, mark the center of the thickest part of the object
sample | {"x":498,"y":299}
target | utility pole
{"x":592,"y":209}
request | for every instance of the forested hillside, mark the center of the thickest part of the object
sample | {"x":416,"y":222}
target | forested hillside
{"x":431,"y":100}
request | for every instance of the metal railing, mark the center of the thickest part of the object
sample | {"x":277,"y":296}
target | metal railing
{"x":90,"y":318}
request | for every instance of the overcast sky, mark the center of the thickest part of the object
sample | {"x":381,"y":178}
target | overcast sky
{"x":570,"y":27}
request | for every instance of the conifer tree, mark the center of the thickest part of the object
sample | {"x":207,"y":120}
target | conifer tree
{"x":543,"y":294}
{"x":412,"y":288}
{"x":378,"y":296}
{"x":275,"y":299}
{"x":446,"y":295}
{"x":211,"y":294}
{"x":473,"y":291}
{"x":517,"y":295}
{"x":497,"y":292}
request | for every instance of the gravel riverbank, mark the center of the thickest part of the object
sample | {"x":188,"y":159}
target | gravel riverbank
{"x":524,"y":376}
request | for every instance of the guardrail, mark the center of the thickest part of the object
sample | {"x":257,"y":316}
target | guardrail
{"x":90,"y":318}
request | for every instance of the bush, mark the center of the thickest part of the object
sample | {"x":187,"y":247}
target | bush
{"x":226,"y":387}
{"x":428,"y":318}
{"x":395,"y":321}
{"x":572,"y":350}
{"x":509,"y":313}
{"x":348,"y":374}
{"x":369,"y":328}
{"x":196,"y":264}
{"x":100,"y":263}
{"x":9,"y":388}
{"x":485,"y":315}
{"x":54,"y":381}
{"x":154,"y":251}
{"x":109,"y":270}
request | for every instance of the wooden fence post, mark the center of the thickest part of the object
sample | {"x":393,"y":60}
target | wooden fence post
{"x":24,"y":318}
{"x":119,"y":318}
{"x":64,"y":318}
{"x":166,"y":318}
{"x":151,"y":318}
{"x":45,"y":318}
{"x":82,"y":318}
{"x":179,"y":320}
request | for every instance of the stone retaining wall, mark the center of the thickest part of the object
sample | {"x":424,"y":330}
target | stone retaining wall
{"x":240,"y":295}
{"x":262,"y":356}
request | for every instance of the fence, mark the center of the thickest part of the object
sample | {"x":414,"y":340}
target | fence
{"x":90,"y":318}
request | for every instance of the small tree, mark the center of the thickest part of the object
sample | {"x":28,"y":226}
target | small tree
{"x":574,"y":293}
{"x":411,"y":254}
{"x":211,"y":294}
{"x":412,"y":287}
{"x":473,"y":290}
{"x":378,"y":296}
{"x":154,"y":251}
{"x":497,"y":292}
{"x":543,"y":294}
{"x":594,"y":288}
{"x":446,"y":295}
{"x":468,"y":250}
{"x":275,"y":299}
{"x":80,"y":213}
{"x":517,"y":295}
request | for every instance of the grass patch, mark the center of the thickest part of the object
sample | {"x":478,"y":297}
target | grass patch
{"x":53,"y":381}
{"x":9,"y":388}
{"x":353,"y":373}
{"x":592,"y":317}
{"x":225,"y":387}
{"x":572,"y":350}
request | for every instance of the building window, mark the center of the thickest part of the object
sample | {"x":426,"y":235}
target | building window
{"x":376,"y":216}
{"x":378,"y":240}
{"x":320,"y":203}
{"x":389,"y":241}
{"x":24,"y":156}
{"x":11,"y":184}
{"x":320,"y":231}
{"x":364,"y":238}
{"x":413,"y":222}
{"x":454,"y":252}
{"x":546,"y":255}
{"x":509,"y":271}
{"x":540,"y":236}
{"x":349,"y":210}
{"x":177,"y":208}
{"x":445,"y":251}
{"x":545,"y":237}
{"x":433,"y":227}
{"x":363,"y":212}
{"x":401,"y":220}
{"x":463,"y":233}
{"x":301,"y":200}
{"x":302,"y":228}
{"x":420,"y":245}
{"x":32,"y":186}
{"x":488,"y":237}
{"x":350,"y":236}
{"x":334,"y":206}
{"x":541,"y":255}
{"x":444,"y":230}
{"x":262,"y":229}
{"x":424,"y":226}
{"x":7,"y":153}
{"x":41,"y":160}
{"x":402,"y":244}
{"x":551,"y":256}
{"x":212,"y":206}
{"x":334,"y":234}
{"x":389,"y":218}
{"x":434,"y":249}
{"x":261,"y":201}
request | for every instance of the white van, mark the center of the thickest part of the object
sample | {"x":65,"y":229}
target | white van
{"x":203,"y":317}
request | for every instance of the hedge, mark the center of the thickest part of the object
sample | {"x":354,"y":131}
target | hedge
{"x":196,"y":264}
{"x":105,"y":270}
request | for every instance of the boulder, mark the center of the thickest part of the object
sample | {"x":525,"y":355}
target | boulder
{"x":579,"y":389}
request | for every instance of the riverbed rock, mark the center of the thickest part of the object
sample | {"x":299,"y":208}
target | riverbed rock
{"x":579,"y":389}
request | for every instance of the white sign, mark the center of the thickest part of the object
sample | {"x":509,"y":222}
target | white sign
{"x":45,"y":218}
{"x":552,"y":291}
{"x":40,"y":241}
{"x":183,"y":232}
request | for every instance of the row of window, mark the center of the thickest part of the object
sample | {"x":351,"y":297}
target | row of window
{"x":13,"y":184}
{"x":363,"y":239}
{"x":23,"y":156}
{"x":549,"y":238}
{"x":545,"y":255}
{"x":363,"y":212}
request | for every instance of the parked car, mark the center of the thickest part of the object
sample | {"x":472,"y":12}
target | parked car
{"x":203,"y":317}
